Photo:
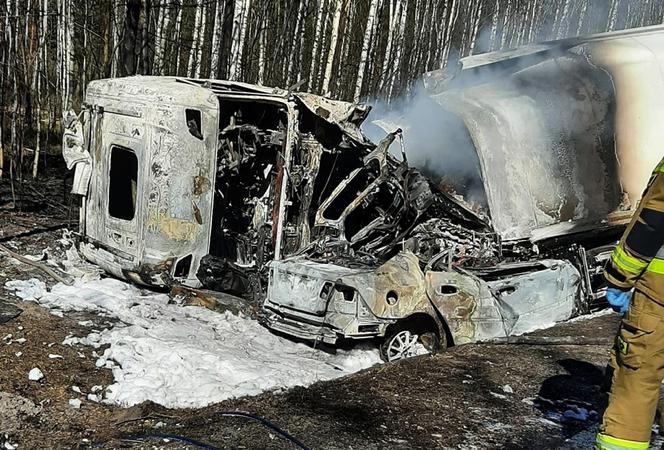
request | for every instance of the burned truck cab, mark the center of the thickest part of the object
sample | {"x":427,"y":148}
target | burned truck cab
{"x":150,"y":147}
{"x":203,"y":182}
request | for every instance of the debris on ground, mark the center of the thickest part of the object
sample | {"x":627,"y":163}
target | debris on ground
{"x":8,"y":311}
{"x":15,"y":410}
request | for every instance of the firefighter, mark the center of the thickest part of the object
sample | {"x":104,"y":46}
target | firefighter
{"x":635,"y":274}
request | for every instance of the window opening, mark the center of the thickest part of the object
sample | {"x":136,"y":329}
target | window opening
{"x":193,"y":118}
{"x":182,"y":267}
{"x":123,"y":176}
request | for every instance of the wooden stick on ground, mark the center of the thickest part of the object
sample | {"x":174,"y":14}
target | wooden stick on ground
{"x":60,"y":277}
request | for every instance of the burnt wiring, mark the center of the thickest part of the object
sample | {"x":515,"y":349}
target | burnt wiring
{"x":258,"y":419}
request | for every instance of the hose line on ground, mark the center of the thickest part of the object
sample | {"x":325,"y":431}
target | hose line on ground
{"x":266,"y":423}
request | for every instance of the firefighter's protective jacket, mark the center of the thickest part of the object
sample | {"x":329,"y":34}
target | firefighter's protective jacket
{"x":638,"y":261}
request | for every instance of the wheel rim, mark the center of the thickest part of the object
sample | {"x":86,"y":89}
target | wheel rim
{"x":405,"y":344}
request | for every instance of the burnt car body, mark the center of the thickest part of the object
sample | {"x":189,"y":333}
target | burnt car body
{"x":562,"y":136}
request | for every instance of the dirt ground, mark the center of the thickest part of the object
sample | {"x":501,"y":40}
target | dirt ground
{"x":472,"y":396}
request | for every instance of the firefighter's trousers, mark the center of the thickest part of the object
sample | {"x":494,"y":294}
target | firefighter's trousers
{"x":638,"y":360}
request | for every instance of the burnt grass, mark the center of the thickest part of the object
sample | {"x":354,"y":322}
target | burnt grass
{"x":473,"y":396}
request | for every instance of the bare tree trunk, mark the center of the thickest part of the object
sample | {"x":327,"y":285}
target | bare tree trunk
{"x":59,"y":47}
{"x":240,"y":19}
{"x":454,"y":13}
{"x":193,"y":53}
{"x":533,"y":20}
{"x":421,"y":42}
{"x":334,"y":36}
{"x":299,"y":28}
{"x":69,"y":54}
{"x":563,"y":26}
{"x":476,"y":28}
{"x":504,"y":39}
{"x":162,"y":15}
{"x":315,"y":52}
{"x":84,"y":69}
{"x":162,"y":41}
{"x":243,"y":34}
{"x":401,"y":27}
{"x":201,"y":41}
{"x":39,"y":62}
{"x":142,"y":51}
{"x":178,"y":33}
{"x":13,"y":143}
{"x":342,"y":53}
{"x":118,"y":27}
{"x":582,"y":16}
{"x":494,"y":27}
{"x":131,"y":49}
{"x":394,"y":6}
{"x":262,"y":37}
{"x":6,"y":70}
{"x":217,"y":36}
{"x":300,"y":58}
{"x":365,"y":49}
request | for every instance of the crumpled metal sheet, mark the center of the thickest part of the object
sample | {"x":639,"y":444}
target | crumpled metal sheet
{"x":544,"y":137}
{"x":75,"y":155}
{"x":347,"y":116}
{"x":568,"y":131}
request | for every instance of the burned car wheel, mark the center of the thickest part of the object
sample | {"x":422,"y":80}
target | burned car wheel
{"x":408,"y":340}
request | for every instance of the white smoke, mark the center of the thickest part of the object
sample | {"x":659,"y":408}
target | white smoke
{"x":436,"y":141}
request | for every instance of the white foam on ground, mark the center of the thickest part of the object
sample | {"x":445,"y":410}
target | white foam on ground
{"x":187,"y":356}
{"x":602,"y":312}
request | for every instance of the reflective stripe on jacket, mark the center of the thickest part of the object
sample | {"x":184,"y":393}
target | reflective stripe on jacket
{"x":638,"y":260}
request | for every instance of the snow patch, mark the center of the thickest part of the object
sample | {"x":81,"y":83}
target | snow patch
{"x":35,"y":374}
{"x":187,"y":356}
{"x":600,"y":313}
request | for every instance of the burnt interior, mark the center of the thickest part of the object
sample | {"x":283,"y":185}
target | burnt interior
{"x":251,"y":137}
{"x":251,"y":169}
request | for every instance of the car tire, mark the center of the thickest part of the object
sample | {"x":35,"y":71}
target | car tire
{"x":407,"y":339}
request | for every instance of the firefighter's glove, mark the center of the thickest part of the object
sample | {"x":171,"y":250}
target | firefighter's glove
{"x":618,"y":299}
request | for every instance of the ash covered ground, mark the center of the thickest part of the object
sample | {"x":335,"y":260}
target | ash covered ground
{"x":107,"y":345}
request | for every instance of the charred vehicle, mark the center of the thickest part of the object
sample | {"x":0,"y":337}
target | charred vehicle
{"x":279,"y":197}
{"x":560,"y":139}
{"x":201,"y":182}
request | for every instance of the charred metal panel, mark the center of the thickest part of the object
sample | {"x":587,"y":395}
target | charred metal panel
{"x":470,"y":310}
{"x":543,"y":296}
{"x":394,"y":290}
{"x":300,"y":284}
{"x":512,"y":300}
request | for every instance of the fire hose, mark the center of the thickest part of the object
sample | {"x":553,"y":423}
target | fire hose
{"x":262,"y":421}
